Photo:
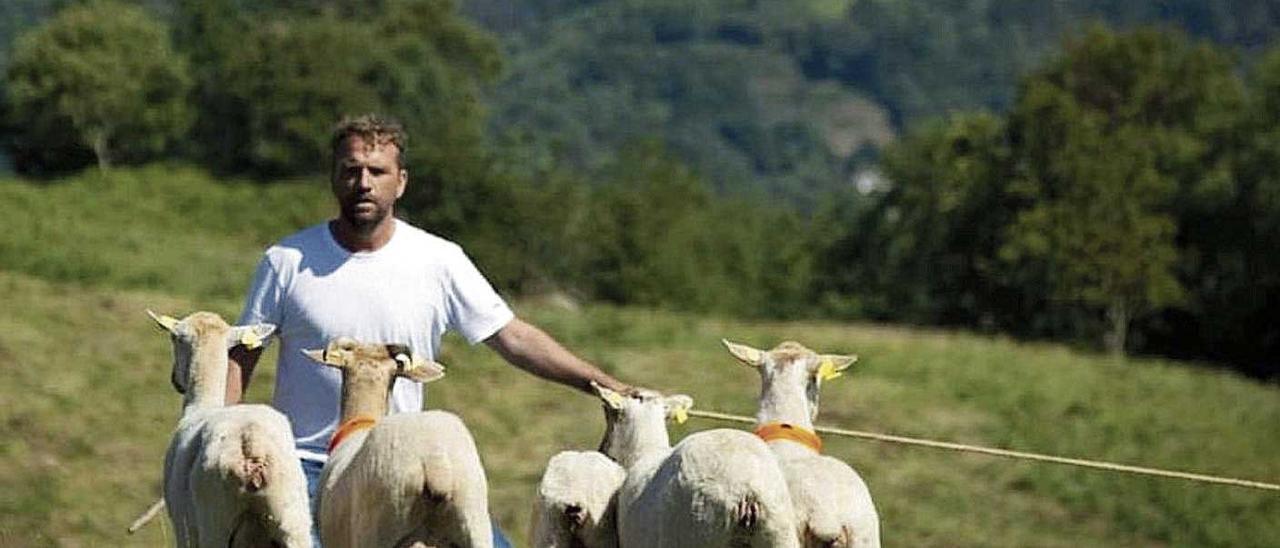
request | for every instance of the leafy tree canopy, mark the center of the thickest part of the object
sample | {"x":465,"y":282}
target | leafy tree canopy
{"x":100,"y":75}
{"x":275,"y":91}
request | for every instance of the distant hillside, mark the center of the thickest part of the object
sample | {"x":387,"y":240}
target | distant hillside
{"x":588,"y":74}
{"x":790,"y":97}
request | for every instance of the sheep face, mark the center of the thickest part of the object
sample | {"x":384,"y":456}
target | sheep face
{"x":208,"y":332}
{"x":374,"y":364}
{"x":791,"y":369}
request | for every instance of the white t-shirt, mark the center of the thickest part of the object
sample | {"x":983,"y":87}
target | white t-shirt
{"x":410,"y":291}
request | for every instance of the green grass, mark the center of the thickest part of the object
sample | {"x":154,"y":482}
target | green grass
{"x":86,"y":407}
{"x":161,"y":227}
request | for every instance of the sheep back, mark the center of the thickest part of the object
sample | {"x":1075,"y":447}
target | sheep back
{"x":576,"y":504}
{"x":716,"y":488}
{"x":412,"y":477}
{"x":833,"y":504}
{"x":233,"y":478}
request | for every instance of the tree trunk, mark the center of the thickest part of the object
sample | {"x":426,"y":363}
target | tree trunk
{"x":1118,"y":318}
{"x":98,"y":140}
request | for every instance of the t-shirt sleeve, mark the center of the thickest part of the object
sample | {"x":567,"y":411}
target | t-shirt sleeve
{"x":262,"y":305}
{"x":474,"y":309}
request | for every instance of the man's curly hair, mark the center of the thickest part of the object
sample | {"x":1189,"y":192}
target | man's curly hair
{"x":374,"y":130}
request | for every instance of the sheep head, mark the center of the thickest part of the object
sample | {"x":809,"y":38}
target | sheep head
{"x":205,"y":331}
{"x":790,"y":368}
{"x":376,"y":362}
{"x":636,"y":422}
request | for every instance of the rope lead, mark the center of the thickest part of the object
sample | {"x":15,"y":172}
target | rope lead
{"x":1010,"y":454}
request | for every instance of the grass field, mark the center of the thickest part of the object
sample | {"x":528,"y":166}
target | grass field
{"x":87,"y":409}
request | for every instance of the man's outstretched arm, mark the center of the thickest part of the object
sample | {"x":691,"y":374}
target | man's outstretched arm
{"x":533,"y":350}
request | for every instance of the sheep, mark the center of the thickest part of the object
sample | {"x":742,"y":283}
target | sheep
{"x":231,"y":474}
{"x":833,"y":505}
{"x":576,"y":503}
{"x":715,"y":488}
{"x":407,"y":479}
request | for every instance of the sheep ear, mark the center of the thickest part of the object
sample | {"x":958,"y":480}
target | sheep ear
{"x":609,"y":397}
{"x":330,"y":355}
{"x":831,"y":366}
{"x":167,"y":323}
{"x":317,"y":355}
{"x":415,"y":367}
{"x":744,"y":353}
{"x":678,"y":407}
{"x":250,"y":336}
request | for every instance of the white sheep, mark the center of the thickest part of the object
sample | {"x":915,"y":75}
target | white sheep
{"x":715,"y":488}
{"x":231,"y":475}
{"x":401,"y":479}
{"x":576,"y":503}
{"x":832,"y":502}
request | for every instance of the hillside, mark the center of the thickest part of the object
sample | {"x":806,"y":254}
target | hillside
{"x":588,"y":74}
{"x":87,"y":404}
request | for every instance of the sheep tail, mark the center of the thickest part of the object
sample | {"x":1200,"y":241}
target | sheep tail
{"x":254,"y":463}
{"x":746,"y":515}
{"x":841,"y":539}
{"x":574,"y":517}
{"x":438,"y":486}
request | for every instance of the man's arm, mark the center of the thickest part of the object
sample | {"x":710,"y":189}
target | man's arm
{"x":240,"y":364}
{"x":533,"y":350}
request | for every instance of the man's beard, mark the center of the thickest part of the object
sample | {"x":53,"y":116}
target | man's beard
{"x":364,"y":222}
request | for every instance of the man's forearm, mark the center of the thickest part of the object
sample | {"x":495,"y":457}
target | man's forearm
{"x":240,"y":365}
{"x":533,"y":350}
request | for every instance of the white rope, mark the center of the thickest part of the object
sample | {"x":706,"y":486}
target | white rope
{"x":146,"y":516}
{"x":1010,"y":454}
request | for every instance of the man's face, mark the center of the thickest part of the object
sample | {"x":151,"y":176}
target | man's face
{"x":367,"y":181}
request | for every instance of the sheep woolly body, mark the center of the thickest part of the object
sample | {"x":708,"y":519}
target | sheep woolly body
{"x":576,"y":503}
{"x":231,"y":474}
{"x":413,"y":479}
{"x":715,"y":488}
{"x":832,"y":503}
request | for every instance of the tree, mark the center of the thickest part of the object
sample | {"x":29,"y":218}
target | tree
{"x":1108,"y":138}
{"x":1095,"y":234}
{"x":290,"y":80}
{"x":275,"y":91}
{"x":100,"y":75}
{"x":930,"y":243}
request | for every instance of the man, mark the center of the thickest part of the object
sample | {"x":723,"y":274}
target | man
{"x":373,"y":277}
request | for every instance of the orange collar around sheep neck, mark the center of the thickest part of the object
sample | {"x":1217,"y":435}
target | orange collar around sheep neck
{"x":786,"y":431}
{"x":350,"y":427}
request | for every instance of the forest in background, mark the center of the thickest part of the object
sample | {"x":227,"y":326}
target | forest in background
{"x":1054,"y":169}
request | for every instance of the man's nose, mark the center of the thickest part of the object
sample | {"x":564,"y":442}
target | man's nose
{"x":365,"y":182}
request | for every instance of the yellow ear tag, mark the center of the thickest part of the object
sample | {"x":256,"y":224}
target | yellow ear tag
{"x":681,"y":414}
{"x":250,"y":340}
{"x":827,"y":371}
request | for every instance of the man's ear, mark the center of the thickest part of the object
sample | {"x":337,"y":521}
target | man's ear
{"x":609,"y":397}
{"x":745,"y":354}
{"x":415,"y":367}
{"x":250,"y":336}
{"x":403,"y":176}
{"x":167,"y":323}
